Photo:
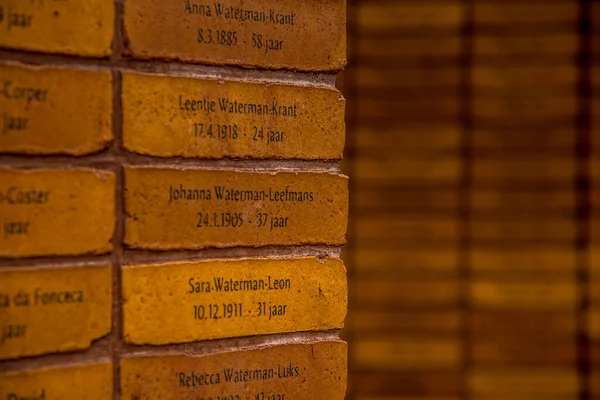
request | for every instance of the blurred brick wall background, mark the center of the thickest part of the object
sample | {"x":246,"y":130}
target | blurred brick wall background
{"x":474,"y":242}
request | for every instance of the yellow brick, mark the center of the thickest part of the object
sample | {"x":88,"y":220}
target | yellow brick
{"x":218,"y":299}
{"x":56,"y":212}
{"x":48,"y":110}
{"x":86,"y":381}
{"x":298,"y":371}
{"x":72,"y":27}
{"x":308,"y":36}
{"x":282,"y":208}
{"x":174,"y":116}
{"x":54,"y":309}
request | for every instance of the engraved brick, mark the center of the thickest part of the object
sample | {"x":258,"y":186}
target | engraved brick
{"x":86,"y":381}
{"x":171,"y":208}
{"x":50,"y":110}
{"x":217,"y":299}
{"x":72,"y":27}
{"x":55,"y":309}
{"x":56,"y":212}
{"x":531,"y":295}
{"x":295,"y":371}
{"x":309,"y":36}
{"x":398,"y":352}
{"x":190,"y":117}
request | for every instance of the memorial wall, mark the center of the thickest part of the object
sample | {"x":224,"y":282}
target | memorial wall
{"x":472,"y":151}
{"x":171,"y":202}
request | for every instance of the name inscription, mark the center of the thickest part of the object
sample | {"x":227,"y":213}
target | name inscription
{"x":272,"y":34}
{"x":216,"y":119}
{"x":51,"y":110}
{"x":74,"y":300}
{"x":229,"y":298}
{"x":38,"y":210}
{"x":168,"y":210}
{"x":59,"y":26}
{"x":294,"y":371}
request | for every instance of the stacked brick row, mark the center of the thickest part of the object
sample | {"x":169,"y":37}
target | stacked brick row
{"x":404,"y":146}
{"x":467,"y":214}
{"x":523,"y":290}
{"x":172,"y":222}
